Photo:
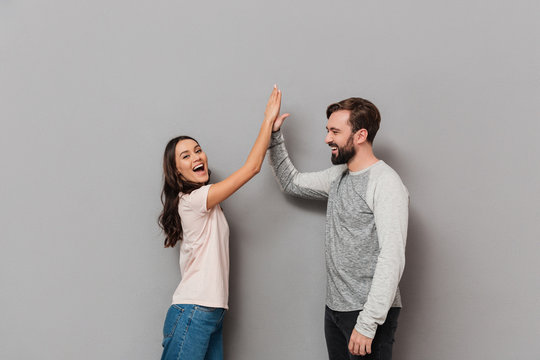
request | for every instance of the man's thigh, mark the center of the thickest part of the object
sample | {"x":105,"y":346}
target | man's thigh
{"x":336,"y":341}
{"x":381,"y":347}
{"x":383,"y":342}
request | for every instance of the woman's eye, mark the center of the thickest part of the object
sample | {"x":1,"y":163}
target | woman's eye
{"x":198,"y":151}
{"x":185,"y":157}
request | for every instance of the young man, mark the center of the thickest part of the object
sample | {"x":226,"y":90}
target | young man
{"x":366,"y":229}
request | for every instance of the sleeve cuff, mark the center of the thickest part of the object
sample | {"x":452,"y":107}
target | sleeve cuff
{"x":276,"y":139}
{"x":366,"y":330}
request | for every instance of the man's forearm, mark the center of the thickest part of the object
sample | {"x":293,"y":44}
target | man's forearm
{"x":313,"y":185}
{"x":383,"y":291}
{"x":391,"y":211}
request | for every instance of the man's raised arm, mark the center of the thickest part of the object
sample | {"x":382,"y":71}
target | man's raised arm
{"x":313,"y":185}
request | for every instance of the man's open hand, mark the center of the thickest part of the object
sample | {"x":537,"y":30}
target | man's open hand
{"x":279,"y":122}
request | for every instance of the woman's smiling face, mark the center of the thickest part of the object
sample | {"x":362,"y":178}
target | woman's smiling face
{"x":191,"y":161}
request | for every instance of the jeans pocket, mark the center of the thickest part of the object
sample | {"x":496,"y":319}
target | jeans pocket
{"x":171,"y":320}
{"x":205,"y":308}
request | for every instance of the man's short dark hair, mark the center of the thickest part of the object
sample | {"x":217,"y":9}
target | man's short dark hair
{"x":364,"y":115}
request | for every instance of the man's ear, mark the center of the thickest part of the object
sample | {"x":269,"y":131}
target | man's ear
{"x":360,"y":136}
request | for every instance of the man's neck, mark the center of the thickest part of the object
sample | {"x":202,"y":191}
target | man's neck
{"x":363,"y":159}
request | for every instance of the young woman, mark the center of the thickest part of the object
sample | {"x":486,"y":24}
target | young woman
{"x":192,"y":216}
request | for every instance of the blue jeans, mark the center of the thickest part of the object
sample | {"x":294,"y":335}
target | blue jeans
{"x":193,"y":332}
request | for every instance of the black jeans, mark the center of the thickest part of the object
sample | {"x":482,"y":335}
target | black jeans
{"x":338,"y":327}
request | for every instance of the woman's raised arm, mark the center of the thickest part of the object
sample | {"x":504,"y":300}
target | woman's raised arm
{"x":223,"y":189}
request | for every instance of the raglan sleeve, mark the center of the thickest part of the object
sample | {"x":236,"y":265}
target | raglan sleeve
{"x":391,"y":212}
{"x":310,"y":185}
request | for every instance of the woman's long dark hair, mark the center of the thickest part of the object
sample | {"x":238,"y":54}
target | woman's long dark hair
{"x":173,"y":185}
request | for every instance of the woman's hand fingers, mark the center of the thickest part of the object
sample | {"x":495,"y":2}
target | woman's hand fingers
{"x":273,"y":105}
{"x":279,"y":101}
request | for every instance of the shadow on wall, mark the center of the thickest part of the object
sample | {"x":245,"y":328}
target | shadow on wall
{"x":412,"y":285}
{"x":409,"y":331}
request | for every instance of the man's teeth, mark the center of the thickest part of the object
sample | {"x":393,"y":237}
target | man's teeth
{"x":333,"y":148}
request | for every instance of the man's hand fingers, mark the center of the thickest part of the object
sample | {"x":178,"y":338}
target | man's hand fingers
{"x":362,"y":349}
{"x":279,"y":122}
{"x":355,"y":347}
{"x":351,"y":347}
{"x":359,"y":344}
{"x":283,"y":117}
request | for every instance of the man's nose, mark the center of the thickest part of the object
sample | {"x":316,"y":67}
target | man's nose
{"x":328,"y":138}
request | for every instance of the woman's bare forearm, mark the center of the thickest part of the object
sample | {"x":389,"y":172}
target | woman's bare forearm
{"x":223,"y":189}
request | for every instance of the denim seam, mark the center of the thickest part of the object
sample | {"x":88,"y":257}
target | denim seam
{"x":173,"y":329}
{"x":185,"y":333}
{"x":206,"y":309}
{"x":222,"y":316}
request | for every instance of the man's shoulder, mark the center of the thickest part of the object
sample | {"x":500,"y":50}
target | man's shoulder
{"x":385,"y":178}
{"x":385,"y":183}
{"x":335,"y":172}
{"x":337,"y":169}
{"x":384,"y":172}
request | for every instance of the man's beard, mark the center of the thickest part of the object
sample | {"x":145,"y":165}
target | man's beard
{"x":344,"y":153}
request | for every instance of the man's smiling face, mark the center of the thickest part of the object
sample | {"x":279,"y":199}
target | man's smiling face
{"x":340,"y":137}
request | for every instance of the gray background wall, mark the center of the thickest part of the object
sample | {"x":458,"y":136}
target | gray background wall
{"x":90,"y":91}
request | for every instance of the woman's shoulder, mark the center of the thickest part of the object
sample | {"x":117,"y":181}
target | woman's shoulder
{"x":196,"y":199}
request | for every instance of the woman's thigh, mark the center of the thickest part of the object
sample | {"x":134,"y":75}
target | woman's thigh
{"x":188,"y":331}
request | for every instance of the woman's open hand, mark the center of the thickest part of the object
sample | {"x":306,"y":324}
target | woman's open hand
{"x":272,"y":110}
{"x":273,"y":105}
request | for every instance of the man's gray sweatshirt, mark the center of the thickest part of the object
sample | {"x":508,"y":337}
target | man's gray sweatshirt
{"x":366,"y":230}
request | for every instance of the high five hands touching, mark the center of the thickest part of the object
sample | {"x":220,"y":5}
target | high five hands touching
{"x":274,"y":104}
{"x":225,"y":188}
{"x":272,"y":110}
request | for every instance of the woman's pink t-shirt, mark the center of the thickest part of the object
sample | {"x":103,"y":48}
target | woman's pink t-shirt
{"x":204,"y":252}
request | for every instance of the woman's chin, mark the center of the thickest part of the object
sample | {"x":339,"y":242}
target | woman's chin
{"x":202,"y":179}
